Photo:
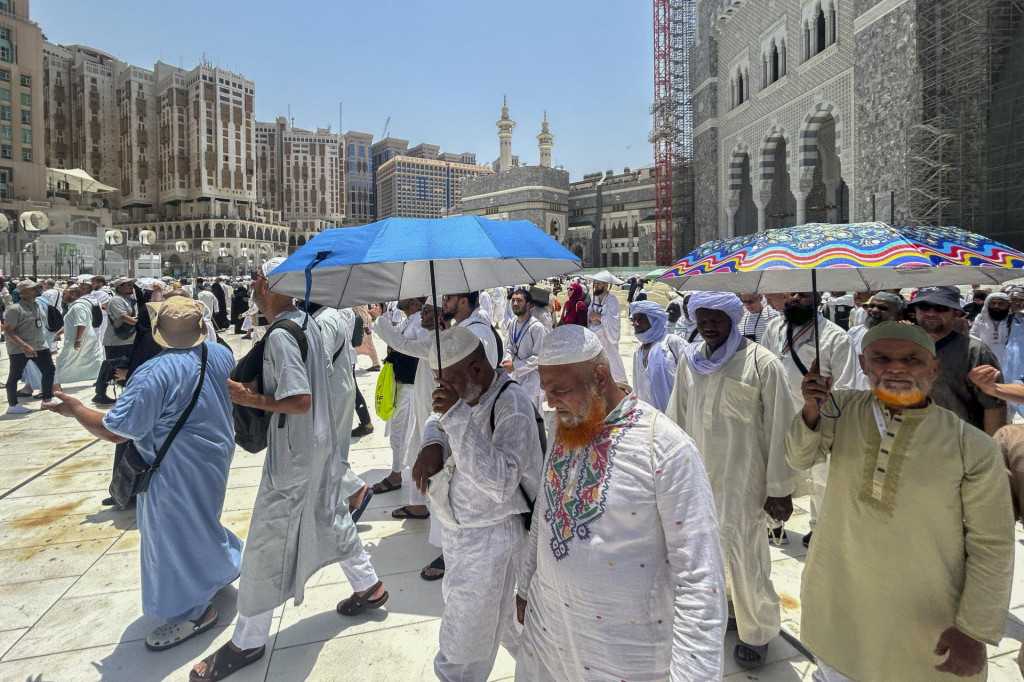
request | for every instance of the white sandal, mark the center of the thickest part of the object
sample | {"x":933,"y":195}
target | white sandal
{"x":172,"y":634}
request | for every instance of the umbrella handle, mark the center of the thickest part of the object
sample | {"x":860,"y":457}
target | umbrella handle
{"x":437,"y":330}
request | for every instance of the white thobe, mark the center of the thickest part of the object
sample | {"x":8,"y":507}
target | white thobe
{"x":412,"y":339}
{"x":486,"y":305}
{"x":337,"y":335}
{"x":483,"y":554}
{"x":82,"y":364}
{"x":858,"y":316}
{"x":100,"y":298}
{"x":499,"y":305}
{"x":480,"y":325}
{"x":300,"y":521}
{"x":857,"y":336}
{"x":653,"y":379}
{"x":838,"y":360}
{"x":209,"y":300}
{"x":51,"y":296}
{"x":544,"y":316}
{"x":624,"y":571}
{"x":608,"y":330}
{"x":992,"y":333}
{"x":739,"y":416}
{"x":522,"y":346}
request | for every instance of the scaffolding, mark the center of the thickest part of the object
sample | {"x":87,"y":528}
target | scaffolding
{"x":672,"y":135}
{"x":961,"y":46}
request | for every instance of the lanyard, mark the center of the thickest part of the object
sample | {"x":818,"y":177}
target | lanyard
{"x":515,"y":336}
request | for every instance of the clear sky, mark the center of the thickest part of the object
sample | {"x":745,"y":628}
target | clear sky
{"x":438,"y":68}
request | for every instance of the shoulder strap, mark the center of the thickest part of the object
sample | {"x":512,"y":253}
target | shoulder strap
{"x":296,"y":331}
{"x":540,"y":432}
{"x":184,"y":415}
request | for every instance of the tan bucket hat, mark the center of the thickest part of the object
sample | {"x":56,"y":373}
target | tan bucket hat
{"x":178,"y":322}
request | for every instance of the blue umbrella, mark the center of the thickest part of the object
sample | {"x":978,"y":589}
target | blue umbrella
{"x":400,"y":258}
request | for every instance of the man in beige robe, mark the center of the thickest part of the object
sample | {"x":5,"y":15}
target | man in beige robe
{"x":909,"y":575}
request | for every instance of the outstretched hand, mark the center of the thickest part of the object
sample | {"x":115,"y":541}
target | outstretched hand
{"x":65,"y":407}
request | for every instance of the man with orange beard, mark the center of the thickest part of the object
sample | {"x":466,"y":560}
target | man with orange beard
{"x":623,"y":576}
{"x":910,"y":571}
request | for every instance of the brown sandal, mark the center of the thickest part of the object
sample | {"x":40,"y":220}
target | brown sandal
{"x":355,"y":604}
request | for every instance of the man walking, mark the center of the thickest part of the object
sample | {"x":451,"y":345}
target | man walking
{"x":623,"y":575}
{"x":122,"y":316}
{"x":922,"y":592}
{"x":731,"y":397}
{"x":23,"y":328}
{"x":489,"y":426}
{"x":300,"y":522}
{"x":82,"y":355}
{"x":657,"y":355}
{"x":604,"y":321}
{"x":463,"y":310}
{"x":524,"y":335}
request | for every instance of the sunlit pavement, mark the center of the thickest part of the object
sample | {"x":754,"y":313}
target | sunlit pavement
{"x":70,"y":607}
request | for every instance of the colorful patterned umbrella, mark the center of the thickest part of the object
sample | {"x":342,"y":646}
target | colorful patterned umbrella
{"x":857,"y":257}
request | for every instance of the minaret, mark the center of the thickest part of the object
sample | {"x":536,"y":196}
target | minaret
{"x":545,"y":141}
{"x":505,"y":128}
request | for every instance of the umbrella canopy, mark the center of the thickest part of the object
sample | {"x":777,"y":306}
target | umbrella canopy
{"x":858,"y":257}
{"x":604,"y":276}
{"x":402,"y":257}
{"x":655,"y":274}
{"x":74,"y":180}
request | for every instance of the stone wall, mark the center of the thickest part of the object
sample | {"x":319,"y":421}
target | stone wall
{"x":888,"y":86}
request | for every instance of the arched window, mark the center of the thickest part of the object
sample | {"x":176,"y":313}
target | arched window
{"x":774,"y":66}
{"x":819,"y":32}
{"x":188,"y":231}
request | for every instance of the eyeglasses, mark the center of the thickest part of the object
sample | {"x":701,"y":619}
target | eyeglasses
{"x":933,"y":307}
{"x":746,"y":302}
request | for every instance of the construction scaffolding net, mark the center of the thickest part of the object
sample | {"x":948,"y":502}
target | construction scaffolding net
{"x":964,"y":49}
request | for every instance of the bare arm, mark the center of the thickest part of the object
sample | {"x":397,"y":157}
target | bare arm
{"x":246,"y":396}
{"x":91,"y":420}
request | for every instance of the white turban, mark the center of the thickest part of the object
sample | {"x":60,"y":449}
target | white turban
{"x":729,"y":304}
{"x":272,"y":264}
{"x":656,"y":316}
{"x":569,"y":344}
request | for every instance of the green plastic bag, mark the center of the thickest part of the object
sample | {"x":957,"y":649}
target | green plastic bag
{"x":385,"y":396}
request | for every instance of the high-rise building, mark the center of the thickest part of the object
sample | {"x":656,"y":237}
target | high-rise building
{"x":22,"y":166}
{"x":410,"y":187}
{"x":382,"y":151}
{"x":299,"y":173}
{"x":358,"y":178}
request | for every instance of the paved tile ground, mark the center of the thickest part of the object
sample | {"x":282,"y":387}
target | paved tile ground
{"x":70,"y":607}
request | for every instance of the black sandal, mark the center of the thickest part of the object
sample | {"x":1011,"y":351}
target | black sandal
{"x":225,"y":661}
{"x":436,"y":564}
{"x":385,"y":486}
{"x":760,"y":651}
{"x":405,"y":513}
{"x":356,"y":604}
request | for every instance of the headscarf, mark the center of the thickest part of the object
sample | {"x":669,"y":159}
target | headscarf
{"x":995,"y":333}
{"x":575,"y":310}
{"x":656,"y":315}
{"x":728,"y":303}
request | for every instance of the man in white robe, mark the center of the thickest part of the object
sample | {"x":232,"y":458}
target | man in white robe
{"x":524,"y":335}
{"x":300,"y":521}
{"x":499,"y":306}
{"x":604,"y":320}
{"x":403,"y":429}
{"x":337,"y":336}
{"x":791,"y":337}
{"x":882,"y":307}
{"x":82,"y":354}
{"x":657,"y":353}
{"x":731,"y":397}
{"x":623,"y":575}
{"x":489,"y":426}
{"x":464,"y":310}
{"x":992,"y":325}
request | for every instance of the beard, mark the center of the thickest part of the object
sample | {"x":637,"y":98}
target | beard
{"x":797,"y":314}
{"x":472,"y":392}
{"x":580,"y":431}
{"x":902,"y":393}
{"x":875,"y":321}
{"x":998,"y":315}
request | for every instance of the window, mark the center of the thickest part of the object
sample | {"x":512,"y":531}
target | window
{"x":5,"y":95}
{"x":26,"y":136}
{"x":740,"y":85}
{"x":819,"y":27}
{"x":5,"y":75}
{"x":26,"y":99}
{"x":26,"y":81}
{"x":6,"y":49}
{"x":26,"y":117}
{"x":5,"y":132}
{"x":6,"y":6}
{"x":26,"y":154}
{"x":5,"y":112}
{"x":6,"y":151}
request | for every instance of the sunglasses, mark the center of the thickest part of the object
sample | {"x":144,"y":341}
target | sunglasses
{"x":933,"y":307}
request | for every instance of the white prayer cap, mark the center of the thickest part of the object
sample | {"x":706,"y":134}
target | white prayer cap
{"x":457,"y":343}
{"x":569,"y":344}
{"x":272,"y":265}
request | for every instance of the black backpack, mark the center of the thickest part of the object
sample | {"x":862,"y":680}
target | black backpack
{"x":357,"y":332}
{"x":251,"y":424}
{"x":54,"y":319}
{"x":541,"y":433}
{"x":97,"y":315}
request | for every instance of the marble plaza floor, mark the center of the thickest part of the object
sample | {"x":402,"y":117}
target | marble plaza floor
{"x":70,"y":607}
